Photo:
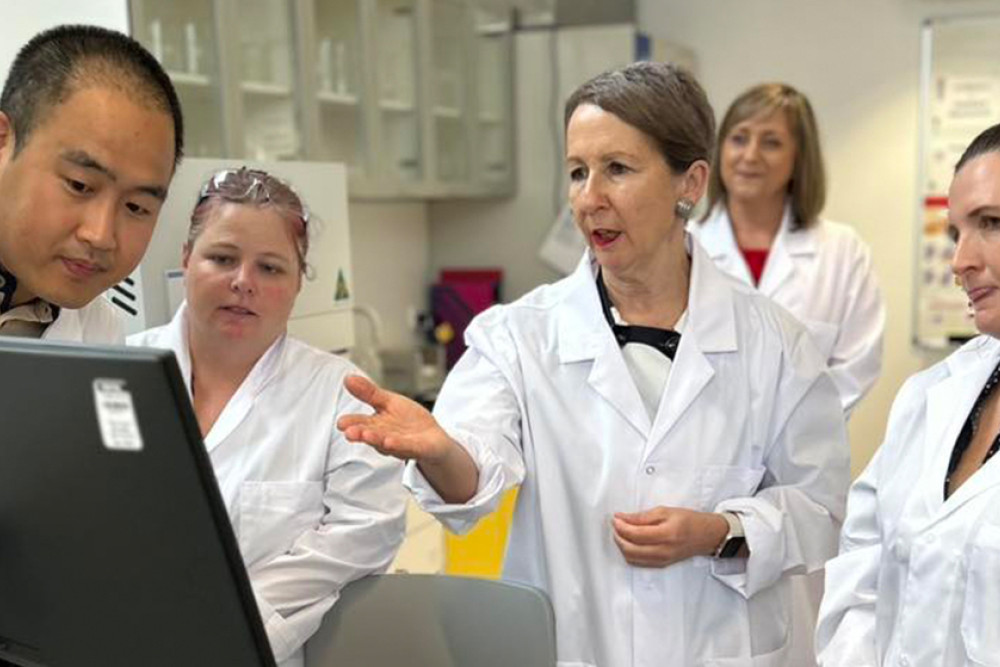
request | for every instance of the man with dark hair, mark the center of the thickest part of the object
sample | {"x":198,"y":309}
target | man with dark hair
{"x":90,"y":135}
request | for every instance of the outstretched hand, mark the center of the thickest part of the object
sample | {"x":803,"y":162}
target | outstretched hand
{"x":400,"y":427}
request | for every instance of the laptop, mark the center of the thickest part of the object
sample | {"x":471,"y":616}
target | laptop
{"x":115,"y":546}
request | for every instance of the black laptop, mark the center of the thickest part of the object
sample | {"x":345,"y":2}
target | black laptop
{"x":115,"y":546}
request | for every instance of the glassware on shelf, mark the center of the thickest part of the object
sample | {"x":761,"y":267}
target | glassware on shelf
{"x":333,"y":68}
{"x":192,"y":49}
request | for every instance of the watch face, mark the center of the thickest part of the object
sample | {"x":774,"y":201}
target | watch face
{"x":732,"y":547}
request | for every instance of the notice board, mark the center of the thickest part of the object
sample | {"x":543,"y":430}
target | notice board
{"x":959,"y":98}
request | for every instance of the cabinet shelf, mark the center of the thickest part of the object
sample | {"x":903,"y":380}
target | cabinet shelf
{"x":190,"y":79}
{"x":497,"y":28}
{"x":340,"y":99}
{"x":448,"y":112}
{"x":266,"y":89}
{"x":396,"y":106}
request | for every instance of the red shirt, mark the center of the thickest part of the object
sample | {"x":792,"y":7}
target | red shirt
{"x":755,"y":259}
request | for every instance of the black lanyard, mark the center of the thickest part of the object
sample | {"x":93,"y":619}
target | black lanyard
{"x":8,"y":285}
{"x":664,"y":340}
{"x":969,"y":429}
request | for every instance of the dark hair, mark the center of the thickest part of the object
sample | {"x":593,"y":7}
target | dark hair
{"x":662,"y":101}
{"x":807,"y":187}
{"x":988,"y":141}
{"x":57,"y":62}
{"x":253,"y":187}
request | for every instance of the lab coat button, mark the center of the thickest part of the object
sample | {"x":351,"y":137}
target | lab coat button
{"x":904,"y":661}
{"x":930,"y":539}
{"x":650,"y":470}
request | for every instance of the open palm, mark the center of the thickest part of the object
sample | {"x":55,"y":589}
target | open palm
{"x":400,"y":427}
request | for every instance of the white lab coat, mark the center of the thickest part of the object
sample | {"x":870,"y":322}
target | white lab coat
{"x":96,"y":323}
{"x":917,"y":581}
{"x":749,"y":422}
{"x":824,"y":276}
{"x":311,"y":512}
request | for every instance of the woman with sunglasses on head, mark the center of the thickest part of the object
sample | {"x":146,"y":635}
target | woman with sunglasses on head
{"x":678,"y":444}
{"x":311,"y":512}
{"x":763,"y":227}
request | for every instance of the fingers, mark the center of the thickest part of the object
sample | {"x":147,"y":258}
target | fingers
{"x":638,"y":534}
{"x":647,"y":518}
{"x":649,"y":538}
{"x":360,"y":429}
{"x":642,"y":555}
{"x":347,"y":421}
{"x":366,"y":391}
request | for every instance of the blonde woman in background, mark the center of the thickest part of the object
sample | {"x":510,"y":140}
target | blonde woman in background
{"x":766,"y":191}
{"x":763,"y":226}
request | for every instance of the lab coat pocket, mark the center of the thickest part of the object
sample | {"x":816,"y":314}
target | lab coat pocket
{"x":777,"y":658}
{"x":724,"y":482}
{"x":981,"y":614}
{"x":274,"y":514}
{"x":670,"y":486}
{"x":824,"y":336}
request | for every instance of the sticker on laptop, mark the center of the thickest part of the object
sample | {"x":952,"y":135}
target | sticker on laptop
{"x":116,"y":416}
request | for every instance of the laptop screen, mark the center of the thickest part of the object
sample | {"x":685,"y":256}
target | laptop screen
{"x":115,"y":546}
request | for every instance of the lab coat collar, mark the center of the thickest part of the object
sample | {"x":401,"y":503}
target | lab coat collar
{"x":948,"y":405}
{"x":720,"y":242}
{"x":240,"y":403}
{"x":66,"y":326}
{"x":711,"y":320}
{"x":584,"y":335}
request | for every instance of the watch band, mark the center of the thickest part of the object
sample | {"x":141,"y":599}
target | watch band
{"x":735,"y":538}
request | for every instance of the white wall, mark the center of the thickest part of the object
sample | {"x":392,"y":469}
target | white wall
{"x":389,"y":250}
{"x":858,"y":61}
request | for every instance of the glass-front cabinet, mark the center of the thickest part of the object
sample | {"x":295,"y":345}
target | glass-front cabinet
{"x":267,"y":80}
{"x":494,"y":169}
{"x":335,"y":64}
{"x":397,"y":74}
{"x":450,"y":88}
{"x":414,"y":96}
{"x":182,"y":36}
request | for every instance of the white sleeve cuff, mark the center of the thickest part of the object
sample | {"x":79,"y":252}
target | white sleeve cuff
{"x":281,"y":638}
{"x":494,"y":479}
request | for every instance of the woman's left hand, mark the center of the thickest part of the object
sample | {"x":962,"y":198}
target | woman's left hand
{"x":663,"y":536}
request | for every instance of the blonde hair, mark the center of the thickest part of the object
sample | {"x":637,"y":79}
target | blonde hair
{"x":807,"y":186}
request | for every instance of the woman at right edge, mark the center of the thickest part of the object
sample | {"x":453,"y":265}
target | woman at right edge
{"x":917,"y":581}
{"x":677,"y":440}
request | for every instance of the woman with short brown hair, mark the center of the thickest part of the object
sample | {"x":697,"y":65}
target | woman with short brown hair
{"x":678,"y":444}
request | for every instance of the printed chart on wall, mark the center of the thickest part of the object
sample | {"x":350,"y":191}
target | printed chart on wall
{"x":960,"y":97}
